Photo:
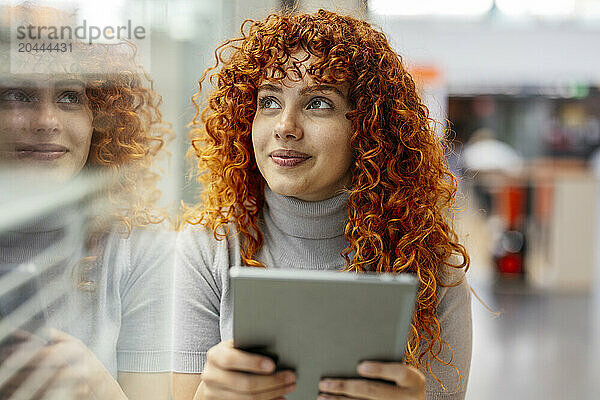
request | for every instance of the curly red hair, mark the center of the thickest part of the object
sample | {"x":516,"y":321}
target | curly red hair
{"x":402,"y":193}
{"x":128,"y":134}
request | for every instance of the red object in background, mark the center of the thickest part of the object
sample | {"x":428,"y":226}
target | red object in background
{"x":510,"y":252}
{"x":512,"y":205}
{"x":511,"y":263}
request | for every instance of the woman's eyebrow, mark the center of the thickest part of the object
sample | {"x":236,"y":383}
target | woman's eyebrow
{"x":270,"y":87}
{"x":17,"y":83}
{"x":322,"y":88}
{"x":308,"y":89}
{"x":67,"y":83}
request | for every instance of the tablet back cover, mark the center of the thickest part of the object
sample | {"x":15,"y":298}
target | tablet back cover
{"x":321,"y":323}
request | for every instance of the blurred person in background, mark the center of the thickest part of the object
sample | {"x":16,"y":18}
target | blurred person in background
{"x":316,"y":152}
{"x":99,"y":268}
{"x":489,"y":162}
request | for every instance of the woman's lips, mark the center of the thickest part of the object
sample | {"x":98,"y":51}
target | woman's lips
{"x":40,"y":152}
{"x":288,"y":158}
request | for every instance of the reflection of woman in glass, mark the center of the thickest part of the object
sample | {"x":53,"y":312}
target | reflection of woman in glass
{"x":316,"y":152}
{"x":112,"y":329}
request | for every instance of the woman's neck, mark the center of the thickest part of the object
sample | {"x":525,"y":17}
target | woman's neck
{"x":307,"y":219}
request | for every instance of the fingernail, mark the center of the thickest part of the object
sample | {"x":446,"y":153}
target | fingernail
{"x":326,"y":385}
{"x":267,"y":365}
{"x":367,"y":368}
{"x":290,"y":377}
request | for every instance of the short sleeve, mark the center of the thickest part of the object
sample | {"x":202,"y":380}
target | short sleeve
{"x":197,"y":298}
{"x":145,"y":288}
{"x":454,"y":316}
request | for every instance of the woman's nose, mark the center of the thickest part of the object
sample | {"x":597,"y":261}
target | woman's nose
{"x":287,"y":126}
{"x":46,"y":119}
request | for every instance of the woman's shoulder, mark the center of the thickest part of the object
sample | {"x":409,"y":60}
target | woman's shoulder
{"x":160,"y":236}
{"x":452,"y":274}
{"x":200,"y":245}
{"x":453,"y":288}
{"x":133,"y":253}
{"x":142,"y":241}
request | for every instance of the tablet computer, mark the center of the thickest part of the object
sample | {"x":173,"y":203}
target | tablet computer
{"x":321,"y":323}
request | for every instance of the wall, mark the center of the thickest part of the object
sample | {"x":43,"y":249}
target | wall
{"x":497,"y":53}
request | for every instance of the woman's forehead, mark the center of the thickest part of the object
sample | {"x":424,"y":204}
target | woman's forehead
{"x":303,"y":87}
{"x":42,"y":80}
{"x":300,"y":67}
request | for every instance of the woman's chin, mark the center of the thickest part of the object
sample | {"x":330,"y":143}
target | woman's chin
{"x":299,"y":192}
{"x":40,"y":171}
{"x":283,"y":189}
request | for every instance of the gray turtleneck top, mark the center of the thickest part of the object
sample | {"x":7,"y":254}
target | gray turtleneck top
{"x":301,"y":235}
{"x":125,"y":319}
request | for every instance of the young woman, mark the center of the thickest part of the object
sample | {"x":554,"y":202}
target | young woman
{"x":107,"y":293}
{"x":316,"y":152}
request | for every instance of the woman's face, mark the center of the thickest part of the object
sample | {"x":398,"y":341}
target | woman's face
{"x":301,"y":138}
{"x":45,"y":122}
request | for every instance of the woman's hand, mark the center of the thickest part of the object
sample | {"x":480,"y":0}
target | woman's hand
{"x":409,"y":383}
{"x":62,"y":368}
{"x":233,"y":374}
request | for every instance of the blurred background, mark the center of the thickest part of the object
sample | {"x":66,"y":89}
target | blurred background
{"x":515,"y":86}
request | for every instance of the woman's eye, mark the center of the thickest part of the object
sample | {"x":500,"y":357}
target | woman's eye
{"x":268,"y":102}
{"x":15,"y":95}
{"x":318,"y":104}
{"x":70,"y":98}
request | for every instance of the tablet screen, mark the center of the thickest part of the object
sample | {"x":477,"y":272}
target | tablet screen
{"x":321,"y":323}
